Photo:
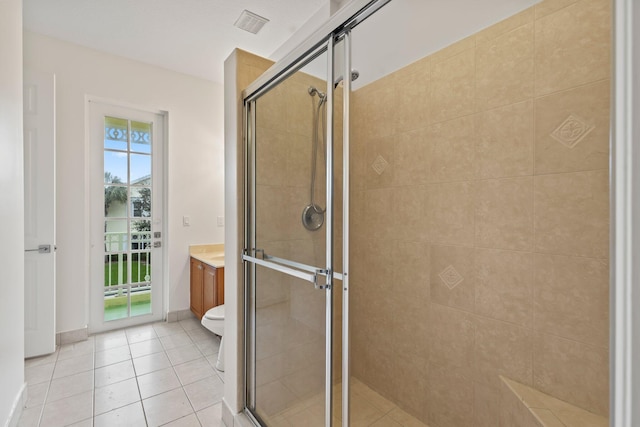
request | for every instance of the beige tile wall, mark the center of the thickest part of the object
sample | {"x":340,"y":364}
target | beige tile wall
{"x":481,"y":248}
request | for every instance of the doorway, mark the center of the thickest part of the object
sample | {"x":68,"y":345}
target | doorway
{"x":127,"y":211}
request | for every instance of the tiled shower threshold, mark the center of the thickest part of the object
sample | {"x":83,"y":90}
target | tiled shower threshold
{"x":368,"y":409}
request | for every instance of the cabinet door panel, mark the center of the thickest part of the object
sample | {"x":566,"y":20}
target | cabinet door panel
{"x":196,"y":287}
{"x":208,"y":291}
{"x":220,"y":286}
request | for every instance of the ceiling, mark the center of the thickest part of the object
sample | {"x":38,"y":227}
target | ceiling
{"x":188,"y":36}
{"x":196,"y":36}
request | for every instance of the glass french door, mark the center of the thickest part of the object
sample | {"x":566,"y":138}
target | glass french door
{"x":293,"y":249}
{"x":126,"y":216}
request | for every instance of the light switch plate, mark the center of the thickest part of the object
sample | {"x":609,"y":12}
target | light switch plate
{"x":186,"y":221}
{"x":220,"y":221}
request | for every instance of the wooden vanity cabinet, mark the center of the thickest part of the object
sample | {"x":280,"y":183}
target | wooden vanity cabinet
{"x":197,"y":276}
{"x":207,"y":287}
{"x":213,"y":287}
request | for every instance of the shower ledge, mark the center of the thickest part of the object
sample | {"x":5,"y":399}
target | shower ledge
{"x":526,"y":407}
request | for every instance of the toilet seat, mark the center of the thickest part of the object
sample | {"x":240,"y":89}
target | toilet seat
{"x":215,"y":313}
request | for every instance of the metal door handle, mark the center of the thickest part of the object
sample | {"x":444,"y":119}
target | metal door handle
{"x":312,"y":277}
{"x":42,"y":249}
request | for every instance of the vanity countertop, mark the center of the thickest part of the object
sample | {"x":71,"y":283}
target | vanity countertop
{"x":212,"y":255}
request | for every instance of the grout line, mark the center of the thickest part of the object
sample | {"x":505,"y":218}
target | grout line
{"x":46,"y":395}
{"x":573,"y":172}
{"x":570,"y":88}
{"x":180,"y":382}
{"x":534,"y":256}
{"x":93,"y":386}
{"x":182,"y":386}
{"x":135,"y":373}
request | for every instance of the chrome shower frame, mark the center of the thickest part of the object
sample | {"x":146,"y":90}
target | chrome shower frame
{"x":337,"y":29}
{"x":321,"y":278}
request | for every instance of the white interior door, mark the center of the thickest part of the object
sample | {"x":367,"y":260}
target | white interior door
{"x":126,"y":164}
{"x":40,"y":214}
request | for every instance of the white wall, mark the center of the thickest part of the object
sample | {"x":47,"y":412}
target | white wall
{"x":305,"y":30}
{"x":233,"y":245}
{"x":11,"y":208}
{"x":195,"y":160}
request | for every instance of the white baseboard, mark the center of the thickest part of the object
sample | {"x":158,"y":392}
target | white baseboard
{"x":241,"y":420}
{"x":177,"y":315}
{"x":227,"y":415}
{"x":229,"y":419}
{"x":70,"y":337}
{"x":18,"y":405}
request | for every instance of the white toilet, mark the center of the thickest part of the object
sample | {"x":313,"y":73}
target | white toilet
{"x":213,"y":320}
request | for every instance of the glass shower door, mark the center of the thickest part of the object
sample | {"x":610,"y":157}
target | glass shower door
{"x":289,"y":248}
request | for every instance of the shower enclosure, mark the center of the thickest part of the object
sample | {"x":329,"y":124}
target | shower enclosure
{"x":429,"y":243}
{"x":294,"y":230}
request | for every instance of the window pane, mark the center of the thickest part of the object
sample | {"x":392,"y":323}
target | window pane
{"x":116,"y":303}
{"x":141,"y":202}
{"x":115,"y":270}
{"x":140,"y":169}
{"x":115,"y":201}
{"x":141,"y":267}
{"x":141,"y":137}
{"x":140,"y":235}
{"x":115,"y":236}
{"x":115,"y":167}
{"x":140,"y":300}
{"x":115,"y":133}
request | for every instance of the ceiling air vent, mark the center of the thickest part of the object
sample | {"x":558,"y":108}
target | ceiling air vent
{"x":250,"y":22}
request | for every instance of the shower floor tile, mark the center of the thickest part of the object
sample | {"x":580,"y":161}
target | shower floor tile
{"x":368,"y":409}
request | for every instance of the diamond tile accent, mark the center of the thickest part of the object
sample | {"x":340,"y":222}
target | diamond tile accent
{"x":572,"y":131}
{"x":451,"y":277}
{"x":379,"y":164}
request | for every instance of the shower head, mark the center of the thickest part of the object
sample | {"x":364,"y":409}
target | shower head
{"x":354,"y":76}
{"x":313,"y":91}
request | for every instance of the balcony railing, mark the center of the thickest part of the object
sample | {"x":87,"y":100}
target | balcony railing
{"x":117,"y":241}
{"x":119,"y":252}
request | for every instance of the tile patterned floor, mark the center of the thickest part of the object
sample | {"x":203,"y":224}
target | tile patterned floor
{"x":160,"y":374}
